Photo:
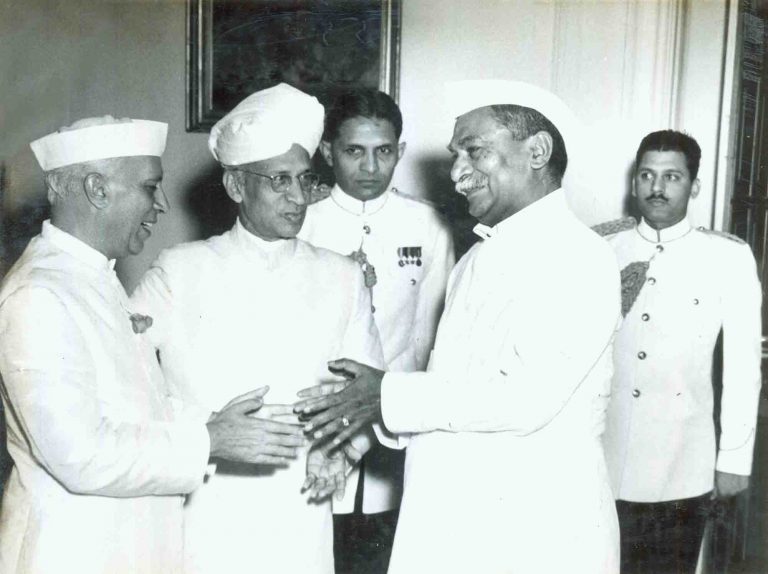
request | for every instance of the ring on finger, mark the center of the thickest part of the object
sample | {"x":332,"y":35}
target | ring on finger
{"x":345,"y":421}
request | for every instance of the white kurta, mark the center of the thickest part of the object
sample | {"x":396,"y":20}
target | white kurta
{"x":408,"y":295}
{"x":234,"y":313}
{"x":98,"y":465}
{"x":660,"y":437}
{"x":506,"y":473}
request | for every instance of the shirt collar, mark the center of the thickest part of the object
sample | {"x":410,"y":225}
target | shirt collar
{"x":525,"y":218}
{"x":254,"y":243}
{"x":671,"y":233}
{"x":355,"y":206}
{"x":75,"y":247}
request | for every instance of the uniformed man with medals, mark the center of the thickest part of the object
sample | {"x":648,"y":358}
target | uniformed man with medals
{"x":405,"y":253}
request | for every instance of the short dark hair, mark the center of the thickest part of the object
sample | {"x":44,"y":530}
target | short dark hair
{"x":364,"y":103}
{"x":524,"y":122}
{"x":671,"y":140}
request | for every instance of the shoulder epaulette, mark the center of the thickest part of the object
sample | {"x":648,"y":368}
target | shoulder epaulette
{"x":632,"y":280}
{"x":722,"y":234}
{"x":414,"y":198}
{"x":615,"y":226}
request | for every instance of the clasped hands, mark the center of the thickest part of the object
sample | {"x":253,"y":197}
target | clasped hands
{"x":247,"y":430}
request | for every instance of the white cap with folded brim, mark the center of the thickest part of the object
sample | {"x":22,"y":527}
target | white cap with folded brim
{"x":98,"y":138}
{"x":467,"y":95}
{"x":266,"y":124}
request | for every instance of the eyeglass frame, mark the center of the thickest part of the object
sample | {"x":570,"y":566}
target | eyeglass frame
{"x":273,"y":179}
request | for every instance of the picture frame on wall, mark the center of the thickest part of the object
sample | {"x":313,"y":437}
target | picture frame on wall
{"x":322,"y":47}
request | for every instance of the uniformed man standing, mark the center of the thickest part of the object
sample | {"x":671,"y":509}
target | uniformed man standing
{"x":405,"y":252}
{"x":689,"y":285}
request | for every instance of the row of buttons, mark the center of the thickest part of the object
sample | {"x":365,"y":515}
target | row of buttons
{"x":646,"y":317}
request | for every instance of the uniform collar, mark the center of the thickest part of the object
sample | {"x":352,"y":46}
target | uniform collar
{"x":671,"y":233}
{"x":355,"y":206}
{"x":526,"y":218}
{"x":75,"y":247}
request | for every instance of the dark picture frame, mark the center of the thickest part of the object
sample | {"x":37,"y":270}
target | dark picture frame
{"x":236,"y":47}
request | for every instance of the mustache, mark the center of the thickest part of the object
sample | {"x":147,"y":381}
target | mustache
{"x":469,"y":182}
{"x":657,"y":196}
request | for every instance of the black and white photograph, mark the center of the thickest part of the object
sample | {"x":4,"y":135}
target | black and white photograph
{"x":383,"y":286}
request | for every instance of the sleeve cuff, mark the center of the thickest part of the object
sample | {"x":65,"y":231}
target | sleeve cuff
{"x":735,"y":461}
{"x":192,"y":447}
{"x":408,"y":403}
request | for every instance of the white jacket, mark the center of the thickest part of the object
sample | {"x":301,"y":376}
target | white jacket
{"x":408,"y":296}
{"x":99,"y":464}
{"x":505,"y":472}
{"x":234,"y":313}
{"x":660,"y":438}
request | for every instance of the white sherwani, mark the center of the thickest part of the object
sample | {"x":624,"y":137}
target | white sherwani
{"x":234,"y":313}
{"x":98,"y":463}
{"x":506,"y":473}
{"x":660,"y":437}
{"x":408,"y":296}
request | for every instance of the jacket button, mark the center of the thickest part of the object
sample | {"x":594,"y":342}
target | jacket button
{"x":367,"y":229}
{"x":413,"y":281}
{"x":652,"y":280}
{"x":659,"y":248}
{"x":636,"y":393}
{"x":645,"y":316}
{"x":641,"y":355}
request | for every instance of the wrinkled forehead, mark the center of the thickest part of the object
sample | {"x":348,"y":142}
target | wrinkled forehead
{"x":295,"y":160}
{"x":140,"y":167}
{"x":477,"y":124}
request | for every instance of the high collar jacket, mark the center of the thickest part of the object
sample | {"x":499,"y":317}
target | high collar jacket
{"x":505,"y":424}
{"x":100,"y":459}
{"x":660,"y":439}
{"x":234,"y":313}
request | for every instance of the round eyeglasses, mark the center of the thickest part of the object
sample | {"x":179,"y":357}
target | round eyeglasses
{"x":282,"y":182}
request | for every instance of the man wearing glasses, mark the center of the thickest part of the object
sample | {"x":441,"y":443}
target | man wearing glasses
{"x":258,"y":305}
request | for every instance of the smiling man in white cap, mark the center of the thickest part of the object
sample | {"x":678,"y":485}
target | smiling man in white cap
{"x":504,"y":470}
{"x":258,"y":305}
{"x":101,"y":457}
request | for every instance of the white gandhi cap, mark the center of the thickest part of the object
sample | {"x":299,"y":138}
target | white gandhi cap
{"x":467,"y":95}
{"x":105,"y":137}
{"x":266,"y":124}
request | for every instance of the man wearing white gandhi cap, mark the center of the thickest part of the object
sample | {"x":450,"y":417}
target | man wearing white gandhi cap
{"x":504,"y":470}
{"x":257,"y":305}
{"x":102,"y":453}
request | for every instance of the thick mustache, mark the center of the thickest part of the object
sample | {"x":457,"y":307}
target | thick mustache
{"x":470,"y":182}
{"x":655,"y":197}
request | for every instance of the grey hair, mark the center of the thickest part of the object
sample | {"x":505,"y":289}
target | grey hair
{"x":64,"y":181}
{"x":524,"y":122}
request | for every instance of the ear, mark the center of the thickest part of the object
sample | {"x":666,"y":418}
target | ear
{"x":695,"y":188}
{"x":400,"y":150}
{"x":541,"y":149}
{"x":233,"y":185}
{"x":326,"y":152}
{"x":95,"y":188}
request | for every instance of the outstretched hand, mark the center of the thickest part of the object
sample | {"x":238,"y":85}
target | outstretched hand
{"x":238,"y":433}
{"x":339,"y":410}
{"x":327,"y":473}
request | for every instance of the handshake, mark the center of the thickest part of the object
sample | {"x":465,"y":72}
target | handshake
{"x":248,"y":430}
